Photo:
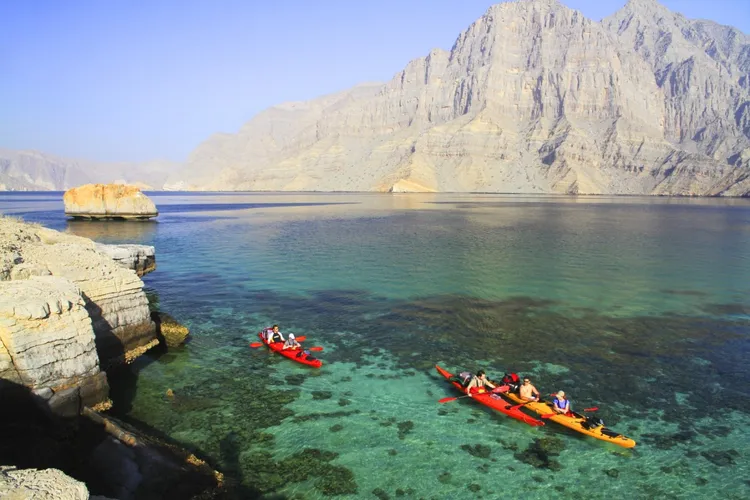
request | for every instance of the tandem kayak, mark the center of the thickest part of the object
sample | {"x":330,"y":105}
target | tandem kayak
{"x":574,"y":421}
{"x":294,"y":354}
{"x":494,"y":401}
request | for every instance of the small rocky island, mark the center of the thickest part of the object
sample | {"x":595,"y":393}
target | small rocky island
{"x":73,"y":312}
{"x":108,"y":201}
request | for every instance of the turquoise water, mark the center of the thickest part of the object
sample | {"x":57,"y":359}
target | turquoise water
{"x":636,"y":305}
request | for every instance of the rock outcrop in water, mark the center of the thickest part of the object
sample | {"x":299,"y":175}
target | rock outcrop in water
{"x":68,"y":310}
{"x":533,"y":97}
{"x":139,"y":258}
{"x":112,"y":296}
{"x":108,"y":201}
{"x":47,"y":344}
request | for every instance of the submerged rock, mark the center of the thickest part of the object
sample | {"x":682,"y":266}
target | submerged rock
{"x":169,"y":330}
{"x":108,"y":201}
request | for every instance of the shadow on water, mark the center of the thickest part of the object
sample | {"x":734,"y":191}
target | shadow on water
{"x":113,"y":230}
{"x":221,"y":207}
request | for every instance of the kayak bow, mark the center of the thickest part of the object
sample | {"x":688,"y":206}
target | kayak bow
{"x":494,"y":401}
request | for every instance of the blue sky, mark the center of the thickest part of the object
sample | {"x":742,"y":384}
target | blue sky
{"x":137,"y":80}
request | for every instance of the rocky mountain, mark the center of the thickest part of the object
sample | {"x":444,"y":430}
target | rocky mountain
{"x":533,"y":97}
{"x":35,"y":171}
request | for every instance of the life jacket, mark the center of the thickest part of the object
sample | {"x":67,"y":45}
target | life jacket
{"x":563,"y":405}
{"x":512,"y":380}
{"x":270,"y":336}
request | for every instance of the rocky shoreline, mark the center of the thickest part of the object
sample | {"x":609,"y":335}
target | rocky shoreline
{"x":70,"y":310}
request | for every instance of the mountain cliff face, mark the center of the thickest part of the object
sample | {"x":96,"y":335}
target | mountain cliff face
{"x":533,"y":97}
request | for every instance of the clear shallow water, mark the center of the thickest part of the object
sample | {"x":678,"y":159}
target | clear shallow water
{"x":636,"y":305}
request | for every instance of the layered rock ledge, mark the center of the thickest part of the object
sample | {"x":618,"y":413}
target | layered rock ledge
{"x":139,"y":258}
{"x":108,"y":201}
{"x":113,"y":295}
{"x":69,"y":310}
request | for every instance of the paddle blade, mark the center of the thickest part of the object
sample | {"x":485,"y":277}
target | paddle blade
{"x":593,"y":408}
{"x":548,"y":415}
{"x":256,"y":344}
{"x":317,"y":348}
{"x":301,"y":338}
{"x":446,"y":400}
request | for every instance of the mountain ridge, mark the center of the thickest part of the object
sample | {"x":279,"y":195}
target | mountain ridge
{"x":533,"y":97}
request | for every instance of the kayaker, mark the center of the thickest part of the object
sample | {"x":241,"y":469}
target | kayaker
{"x":560,"y":404}
{"x":478,"y":383}
{"x":527,"y":391}
{"x":274,"y":335}
{"x":291,"y":343}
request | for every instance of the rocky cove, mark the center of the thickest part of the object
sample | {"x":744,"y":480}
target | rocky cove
{"x":72,"y":313}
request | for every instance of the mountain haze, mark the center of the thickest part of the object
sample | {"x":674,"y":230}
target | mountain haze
{"x":532,"y":98}
{"x":35,"y":171}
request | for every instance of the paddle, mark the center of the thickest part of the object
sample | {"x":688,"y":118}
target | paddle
{"x":593,"y":408}
{"x":447,"y":400}
{"x":254,"y":345}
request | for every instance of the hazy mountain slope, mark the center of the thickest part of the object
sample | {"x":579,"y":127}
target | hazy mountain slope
{"x":35,"y":171}
{"x":532,"y":97}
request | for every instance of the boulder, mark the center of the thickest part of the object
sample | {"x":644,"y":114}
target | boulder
{"x":139,"y":258}
{"x":108,"y":201}
{"x":46,"y":484}
{"x":168,"y":328}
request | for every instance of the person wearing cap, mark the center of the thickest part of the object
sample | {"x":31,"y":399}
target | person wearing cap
{"x":560,"y":404}
{"x":291,"y":343}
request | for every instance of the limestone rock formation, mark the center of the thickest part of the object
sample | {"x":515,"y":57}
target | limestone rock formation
{"x":139,"y":258}
{"x":46,"y":484}
{"x":108,"y":201}
{"x":47,"y":343}
{"x":113,"y":296}
{"x":533,"y":97}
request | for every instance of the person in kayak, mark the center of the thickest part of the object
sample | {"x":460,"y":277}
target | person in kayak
{"x":478,"y":383}
{"x":527,"y":391}
{"x":274,"y":335}
{"x":291,"y":343}
{"x":560,"y":404}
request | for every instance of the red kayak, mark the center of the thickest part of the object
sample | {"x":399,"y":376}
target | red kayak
{"x":297,"y":355}
{"x":494,"y":401}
